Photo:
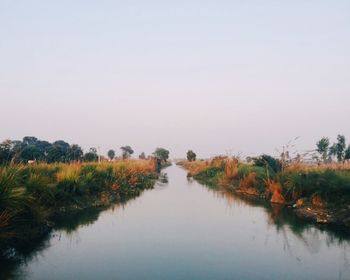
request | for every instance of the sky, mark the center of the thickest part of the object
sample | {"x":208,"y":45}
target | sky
{"x":219,"y":77}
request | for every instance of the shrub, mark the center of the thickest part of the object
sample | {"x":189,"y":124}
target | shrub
{"x":268,"y":162}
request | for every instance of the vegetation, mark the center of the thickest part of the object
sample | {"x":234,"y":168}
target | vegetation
{"x":322,"y":148}
{"x":191,"y":156}
{"x":325,"y":188}
{"x":31,"y":196}
{"x":142,"y":156}
{"x":111,"y":154}
{"x":127,"y":151}
{"x":337,"y":150}
{"x":162,"y":154}
{"x":91,"y":155}
{"x":317,"y":192}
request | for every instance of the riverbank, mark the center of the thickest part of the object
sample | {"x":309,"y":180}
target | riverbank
{"x":320,"y":194}
{"x":34,"y":197}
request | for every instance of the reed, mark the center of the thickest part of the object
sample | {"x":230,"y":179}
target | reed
{"x":329,"y":182}
{"x":31,"y":195}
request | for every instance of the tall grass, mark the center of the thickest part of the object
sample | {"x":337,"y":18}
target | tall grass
{"x":329,"y":183}
{"x":31,"y":194}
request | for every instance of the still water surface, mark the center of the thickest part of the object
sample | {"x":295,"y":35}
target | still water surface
{"x":184,"y":230}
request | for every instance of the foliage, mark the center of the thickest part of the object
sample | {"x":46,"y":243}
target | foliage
{"x":31,"y":195}
{"x":127,"y":151}
{"x":322,"y":148}
{"x":162,"y":154}
{"x":340,"y":147}
{"x":33,"y":149}
{"x":347,"y":153}
{"x":111,"y":154}
{"x":91,"y":155}
{"x":191,"y":156}
{"x":142,"y":156}
{"x":269,"y":162}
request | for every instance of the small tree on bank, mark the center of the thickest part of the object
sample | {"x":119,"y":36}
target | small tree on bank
{"x":191,"y":156}
{"x":127,"y":151}
{"x":340,"y":147}
{"x":142,"y":156}
{"x":162,"y":154}
{"x":91,"y":155}
{"x":111,"y":154}
{"x":322,"y":148}
{"x":347,"y":153}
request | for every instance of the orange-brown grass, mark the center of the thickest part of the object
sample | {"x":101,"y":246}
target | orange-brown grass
{"x":319,"y":167}
{"x":195,"y":167}
{"x":276,"y":189}
{"x":247,"y":184}
{"x":231,"y":168}
{"x":248,"y":181}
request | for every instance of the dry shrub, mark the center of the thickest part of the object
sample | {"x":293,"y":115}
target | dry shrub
{"x":195,"y":167}
{"x":276,"y":190}
{"x":317,"y":201}
{"x":104,"y":198}
{"x":246,"y":185}
{"x":115,"y":187}
{"x":248,"y":181}
{"x":231,"y":168}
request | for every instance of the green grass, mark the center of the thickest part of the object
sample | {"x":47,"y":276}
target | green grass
{"x":330,"y":184}
{"x":31,"y":195}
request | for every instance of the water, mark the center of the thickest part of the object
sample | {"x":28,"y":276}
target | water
{"x":184,"y":230}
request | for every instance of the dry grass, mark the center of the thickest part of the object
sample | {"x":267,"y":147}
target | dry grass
{"x":276,"y":189}
{"x":196,"y":167}
{"x":231,"y":168}
{"x":248,"y":181}
{"x":303,"y":167}
{"x":68,"y":172}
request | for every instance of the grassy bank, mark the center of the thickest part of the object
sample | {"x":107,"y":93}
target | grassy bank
{"x":320,"y":193}
{"x":31,"y":196}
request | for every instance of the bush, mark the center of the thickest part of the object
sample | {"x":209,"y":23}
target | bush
{"x":269,"y":162}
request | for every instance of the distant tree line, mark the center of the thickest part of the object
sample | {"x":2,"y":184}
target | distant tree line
{"x":33,"y":149}
{"x":160,"y":153}
{"x":327,"y":151}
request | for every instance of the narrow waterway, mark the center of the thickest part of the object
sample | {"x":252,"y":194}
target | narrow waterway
{"x":184,"y":230}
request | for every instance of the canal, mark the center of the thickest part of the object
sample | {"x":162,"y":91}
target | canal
{"x":185,"y":230}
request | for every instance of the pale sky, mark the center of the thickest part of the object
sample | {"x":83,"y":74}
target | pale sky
{"x":213,"y":76}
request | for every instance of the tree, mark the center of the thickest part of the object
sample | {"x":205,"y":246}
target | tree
{"x":58,"y":152}
{"x":332,"y":151}
{"x":6,"y":153}
{"x":111,"y":154}
{"x":162,"y":154}
{"x":91,"y":155}
{"x":75,"y":153}
{"x":341,"y":146}
{"x":127,"y":151}
{"x":191,"y":156}
{"x":322,"y":148}
{"x":347,"y":153}
{"x":142,"y":156}
{"x":29,"y":140}
{"x":268,"y":161}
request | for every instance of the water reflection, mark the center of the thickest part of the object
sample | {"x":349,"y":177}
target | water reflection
{"x":185,"y":230}
{"x":287,"y":224}
{"x":13,"y":262}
